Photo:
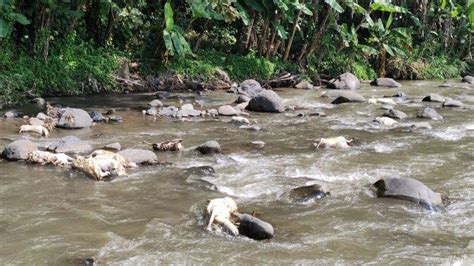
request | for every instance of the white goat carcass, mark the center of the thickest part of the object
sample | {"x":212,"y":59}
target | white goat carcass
{"x":337,"y":142}
{"x":220,"y":211}
{"x":41,"y":130}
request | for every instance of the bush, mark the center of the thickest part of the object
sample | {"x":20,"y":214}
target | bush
{"x":70,"y":62}
{"x":436,"y":67}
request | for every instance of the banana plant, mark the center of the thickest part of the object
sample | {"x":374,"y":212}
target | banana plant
{"x":175,"y":43}
{"x":8,"y":18}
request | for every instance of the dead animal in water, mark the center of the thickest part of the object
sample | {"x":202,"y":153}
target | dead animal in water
{"x":52,"y":112}
{"x":170,"y":145}
{"x":337,"y":142}
{"x":102,"y":164}
{"x":41,"y":130}
{"x":221,"y":211}
{"x":44,"y":157}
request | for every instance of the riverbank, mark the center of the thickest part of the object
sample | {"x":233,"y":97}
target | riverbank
{"x":78,"y":68}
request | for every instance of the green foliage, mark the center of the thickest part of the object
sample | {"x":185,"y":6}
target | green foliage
{"x":238,"y":67}
{"x":70,"y":63}
{"x":343,"y":63}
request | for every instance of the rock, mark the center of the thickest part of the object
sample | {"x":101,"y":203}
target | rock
{"x":155,"y":103}
{"x":304,"y":85}
{"x":397,"y":95}
{"x":201,"y":170}
{"x":168,"y":111}
{"x":113,"y":146}
{"x":420,"y":125}
{"x":222,"y":75}
{"x":452,"y":103}
{"x":187,"y":112}
{"x":433,"y":97}
{"x":213,"y":112}
{"x":243,"y":99}
{"x":249,"y":87}
{"x":96,"y":116}
{"x":409,"y":189}
{"x":38,"y":101}
{"x":251,"y":127}
{"x":70,"y":144}
{"x":227,"y":110}
{"x":468,"y":79}
{"x":258,"y":144}
{"x":11,"y":114}
{"x":73,"y":118}
{"x":187,"y":107}
{"x":429,"y":113}
{"x":385,"y":82}
{"x":41,"y":116}
{"x":395,"y":114}
{"x":445,"y":84}
{"x":253,"y":227}
{"x":115,"y":119}
{"x":346,"y":81}
{"x":307,"y":194}
{"x":19,"y":150}
{"x":239,"y":120}
{"x":241,"y":107}
{"x":386,"y":121}
{"x":317,"y":113}
{"x":152,"y":111}
{"x":210,"y":147}
{"x":139,"y":156}
{"x":344,"y":96}
{"x":163,"y":95}
{"x":35,"y":121}
{"x":266,"y":101}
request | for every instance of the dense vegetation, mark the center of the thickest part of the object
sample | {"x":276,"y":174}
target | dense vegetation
{"x":70,"y":46}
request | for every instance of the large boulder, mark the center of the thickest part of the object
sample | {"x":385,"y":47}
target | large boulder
{"x":73,"y":118}
{"x":395,"y":114}
{"x":344,"y":96}
{"x":346,"y":81}
{"x":307,"y":194}
{"x":430,"y":113}
{"x":70,"y":144}
{"x":254,"y":228}
{"x":249,"y":87}
{"x":385,"y":82}
{"x":468,"y":79}
{"x":19,"y":150}
{"x":266,"y":101}
{"x":139,"y":156}
{"x":408,"y":189}
{"x":209,"y":147}
{"x":433,"y":97}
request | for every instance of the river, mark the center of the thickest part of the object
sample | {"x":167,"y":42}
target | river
{"x":154,"y":215}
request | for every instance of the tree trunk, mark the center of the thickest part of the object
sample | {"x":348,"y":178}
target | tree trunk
{"x":110,"y":23}
{"x":290,"y":41}
{"x":263,"y":37}
{"x":244,"y":40}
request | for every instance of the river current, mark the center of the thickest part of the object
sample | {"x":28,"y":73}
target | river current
{"x":52,"y":215}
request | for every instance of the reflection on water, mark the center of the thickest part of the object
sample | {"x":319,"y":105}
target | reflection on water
{"x":52,"y":215}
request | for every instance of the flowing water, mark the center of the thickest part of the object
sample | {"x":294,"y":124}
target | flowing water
{"x":154,"y":215}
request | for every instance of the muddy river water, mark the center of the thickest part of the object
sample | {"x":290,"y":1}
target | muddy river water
{"x":51,"y":215}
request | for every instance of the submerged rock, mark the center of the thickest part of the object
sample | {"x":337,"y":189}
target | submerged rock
{"x":19,"y":150}
{"x":113,"y":146}
{"x":258,"y":144}
{"x":209,"y":147}
{"x":266,"y":101}
{"x":307,"y":194}
{"x":395,"y":114}
{"x":433,"y":97}
{"x":70,"y":144}
{"x":39,"y":101}
{"x":243,"y":99}
{"x":35,"y":121}
{"x":73,"y":118}
{"x":344,"y":96}
{"x":409,"y":189}
{"x":155,"y":103}
{"x":168,"y":111}
{"x":346,"y":81}
{"x":239,"y":120}
{"x":386,"y":121}
{"x":430,"y":113}
{"x":385,"y":82}
{"x":452,"y":103}
{"x":253,"y":227}
{"x":201,"y":170}
{"x":139,"y":156}
{"x":11,"y":114}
